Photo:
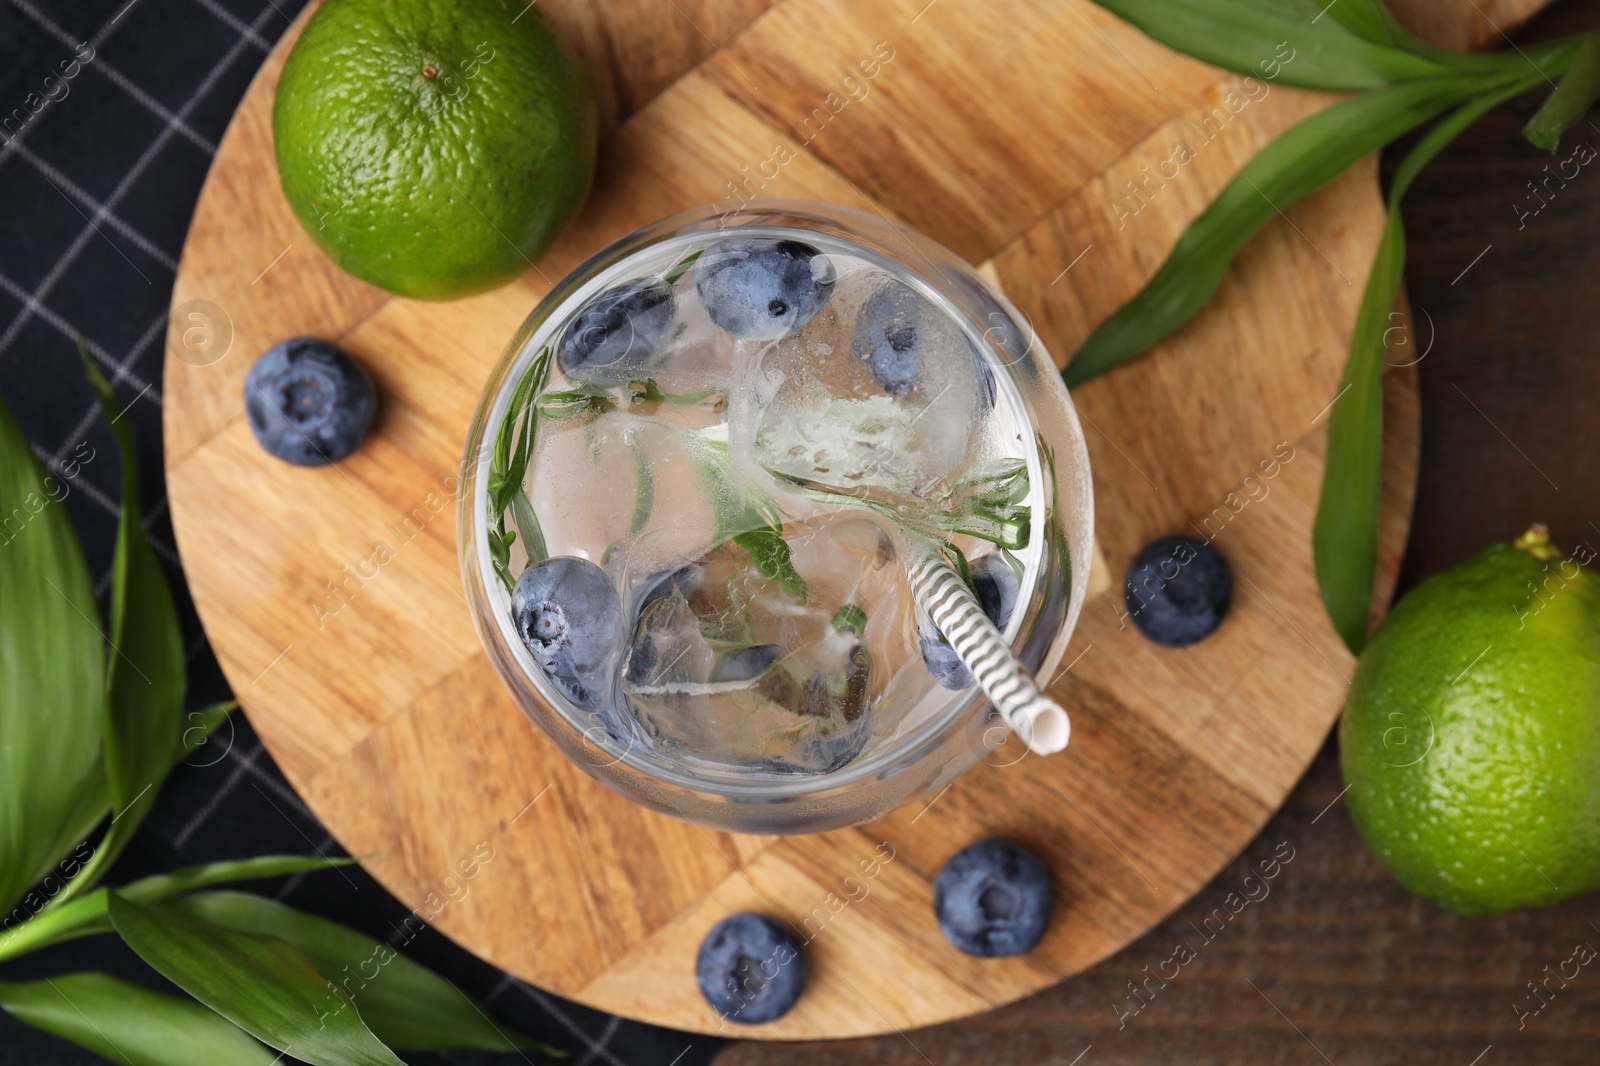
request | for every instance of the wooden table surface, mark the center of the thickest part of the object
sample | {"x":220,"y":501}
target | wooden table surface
{"x":1337,"y":963}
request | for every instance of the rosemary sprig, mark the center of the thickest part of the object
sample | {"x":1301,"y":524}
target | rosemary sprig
{"x":988,"y":506}
{"x":508,"y":466}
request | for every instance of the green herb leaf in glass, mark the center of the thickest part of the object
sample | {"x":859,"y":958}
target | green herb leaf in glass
{"x":850,"y":618}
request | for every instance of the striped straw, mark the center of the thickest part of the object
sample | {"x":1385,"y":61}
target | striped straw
{"x":1039,"y":720}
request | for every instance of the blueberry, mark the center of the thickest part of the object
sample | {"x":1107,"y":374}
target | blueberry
{"x":570,"y":618}
{"x":827,"y":752}
{"x":886,"y":337}
{"x":750,"y":968}
{"x":992,"y":899}
{"x":644,"y":655}
{"x":1178,"y":590}
{"x":308,"y":402}
{"x":762,"y":289}
{"x":996,"y":587}
{"x":745,"y":664}
{"x":619,"y":333}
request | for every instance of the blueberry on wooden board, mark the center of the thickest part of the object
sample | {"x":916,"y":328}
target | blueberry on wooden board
{"x":751,"y":969}
{"x":1178,"y":590}
{"x":308,"y":402}
{"x":993,"y":899}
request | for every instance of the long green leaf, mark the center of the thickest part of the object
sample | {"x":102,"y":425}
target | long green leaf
{"x":1287,"y":41}
{"x":88,"y":915}
{"x":146,"y":676}
{"x":263,"y":985}
{"x":145,"y":679}
{"x":83,"y":916}
{"x":1304,"y":158}
{"x":52,"y":680}
{"x":129,"y":1024}
{"x":1578,"y":89}
{"x":406,"y":1005}
{"x":1368,"y":19}
{"x":93,"y":803}
{"x":94,"y":799}
{"x":1344,"y":536}
{"x":199,"y":726}
{"x":1372,"y":20}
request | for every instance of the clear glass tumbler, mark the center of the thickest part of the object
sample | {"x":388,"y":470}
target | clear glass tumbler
{"x":728,"y":423}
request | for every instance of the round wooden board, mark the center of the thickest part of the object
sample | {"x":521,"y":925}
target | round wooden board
{"x":1008,"y":129}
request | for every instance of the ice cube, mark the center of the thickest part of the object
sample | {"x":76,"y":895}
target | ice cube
{"x":622,"y":481}
{"x":725,"y":665}
{"x":880,"y":395}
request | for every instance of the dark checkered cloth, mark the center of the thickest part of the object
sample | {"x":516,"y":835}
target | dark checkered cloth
{"x":110,"y":113}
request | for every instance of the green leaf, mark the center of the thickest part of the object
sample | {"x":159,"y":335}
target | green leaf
{"x":145,"y":669}
{"x":93,"y":804}
{"x":129,"y":1024}
{"x":405,"y":1004}
{"x":84,"y":916}
{"x":528,"y":525}
{"x":680,"y":268}
{"x":770,"y":553}
{"x":88,"y":915}
{"x":508,"y":464}
{"x":745,"y":516}
{"x":1343,"y":539}
{"x":52,"y":679}
{"x":1372,"y":20}
{"x":199,"y":725}
{"x":1287,"y":41}
{"x":1368,"y":19}
{"x":1304,"y":158}
{"x":94,"y":800}
{"x":570,"y":403}
{"x":1569,"y":101}
{"x":1344,"y":536}
{"x":957,"y":559}
{"x":645,"y":493}
{"x":164,"y":886}
{"x":852,"y":618}
{"x":263,"y":985}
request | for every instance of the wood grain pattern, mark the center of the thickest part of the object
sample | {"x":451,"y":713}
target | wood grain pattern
{"x":1007,"y":130}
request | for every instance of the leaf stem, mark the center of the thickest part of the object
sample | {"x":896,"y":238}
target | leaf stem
{"x":55,"y":924}
{"x":1579,"y":88}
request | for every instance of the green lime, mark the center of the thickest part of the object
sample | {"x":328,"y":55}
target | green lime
{"x":1471,"y":738}
{"x":434,"y":147}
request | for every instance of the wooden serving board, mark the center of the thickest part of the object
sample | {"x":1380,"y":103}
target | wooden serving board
{"x":1009,"y":130}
